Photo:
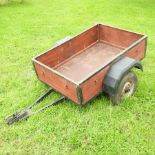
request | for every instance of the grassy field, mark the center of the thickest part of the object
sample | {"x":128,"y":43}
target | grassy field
{"x":29,"y":28}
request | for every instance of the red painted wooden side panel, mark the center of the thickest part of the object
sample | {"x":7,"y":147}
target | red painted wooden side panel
{"x":93,"y":86}
{"x":55,"y":81}
{"x":137,"y":52}
{"x":85,"y":39}
{"x":59,"y":54}
{"x":118,"y":37}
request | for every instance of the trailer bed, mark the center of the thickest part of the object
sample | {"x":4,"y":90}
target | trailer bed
{"x":79,"y":66}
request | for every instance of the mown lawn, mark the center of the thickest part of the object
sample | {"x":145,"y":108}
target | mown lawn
{"x":29,"y":28}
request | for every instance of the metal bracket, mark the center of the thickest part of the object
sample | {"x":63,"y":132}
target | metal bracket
{"x":25,"y":114}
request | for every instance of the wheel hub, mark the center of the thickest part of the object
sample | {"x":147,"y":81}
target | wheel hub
{"x":128,"y":89}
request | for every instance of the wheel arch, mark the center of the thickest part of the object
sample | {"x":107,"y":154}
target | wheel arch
{"x":116,"y":73}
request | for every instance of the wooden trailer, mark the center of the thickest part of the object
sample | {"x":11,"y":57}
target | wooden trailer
{"x":97,"y":60}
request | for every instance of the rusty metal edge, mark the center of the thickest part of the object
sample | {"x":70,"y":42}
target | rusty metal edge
{"x":145,"y":49}
{"x":35,"y":69}
{"x":98,"y":32}
{"x":146,"y":43}
{"x":79,"y":95}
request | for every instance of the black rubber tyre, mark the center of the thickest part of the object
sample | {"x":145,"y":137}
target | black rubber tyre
{"x":126,"y":88}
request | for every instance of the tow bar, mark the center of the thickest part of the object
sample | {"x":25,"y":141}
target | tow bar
{"x":27,"y":112}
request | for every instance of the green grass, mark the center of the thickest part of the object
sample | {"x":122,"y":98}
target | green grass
{"x":99,"y":128}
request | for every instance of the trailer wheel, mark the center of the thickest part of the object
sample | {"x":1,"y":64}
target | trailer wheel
{"x":126,"y":88}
